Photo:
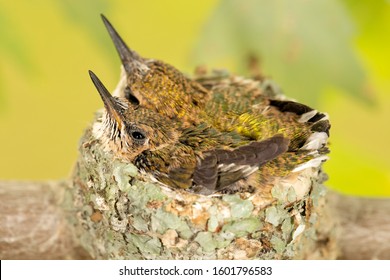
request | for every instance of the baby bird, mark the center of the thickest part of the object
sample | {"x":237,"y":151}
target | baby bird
{"x":199,"y":158}
{"x":222,"y":105}
{"x":154,"y":84}
{"x":226,"y":103}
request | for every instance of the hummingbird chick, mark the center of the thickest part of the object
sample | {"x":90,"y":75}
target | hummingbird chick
{"x":227,"y":104}
{"x":199,"y":158}
{"x":157,"y":85}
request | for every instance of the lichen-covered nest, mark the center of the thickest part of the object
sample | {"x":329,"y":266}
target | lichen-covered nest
{"x":122,"y":214}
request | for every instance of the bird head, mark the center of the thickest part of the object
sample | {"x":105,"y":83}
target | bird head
{"x":127,"y":130}
{"x":157,"y":85}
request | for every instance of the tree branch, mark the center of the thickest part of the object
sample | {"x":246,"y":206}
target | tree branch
{"x":34,"y":223}
{"x":364,"y":226}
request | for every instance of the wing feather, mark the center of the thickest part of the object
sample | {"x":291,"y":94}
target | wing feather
{"x":220,"y":168}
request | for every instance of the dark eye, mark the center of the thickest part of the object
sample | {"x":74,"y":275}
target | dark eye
{"x":130,"y":96}
{"x":137,"y":135}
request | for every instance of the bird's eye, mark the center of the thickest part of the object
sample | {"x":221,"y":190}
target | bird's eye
{"x":130,"y":96}
{"x":138,"y":135}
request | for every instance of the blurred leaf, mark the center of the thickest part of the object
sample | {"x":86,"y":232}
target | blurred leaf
{"x":13,"y":47}
{"x":86,"y":14}
{"x":11,"y":42}
{"x":368,"y":14}
{"x":372,"y":19}
{"x":305,"y":45}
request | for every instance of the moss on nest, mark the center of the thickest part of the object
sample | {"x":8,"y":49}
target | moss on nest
{"x":123,"y":214}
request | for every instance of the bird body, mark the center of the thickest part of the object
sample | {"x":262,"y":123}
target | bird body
{"x":216,"y":133}
{"x":200,"y":158}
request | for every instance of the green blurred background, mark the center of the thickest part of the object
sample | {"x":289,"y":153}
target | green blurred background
{"x":331,"y":54}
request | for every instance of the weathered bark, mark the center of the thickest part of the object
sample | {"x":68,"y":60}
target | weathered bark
{"x":364,"y":226}
{"x":34,"y":224}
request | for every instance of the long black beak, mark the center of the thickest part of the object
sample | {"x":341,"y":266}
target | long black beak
{"x":112,"y":106}
{"x":127,"y":56}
